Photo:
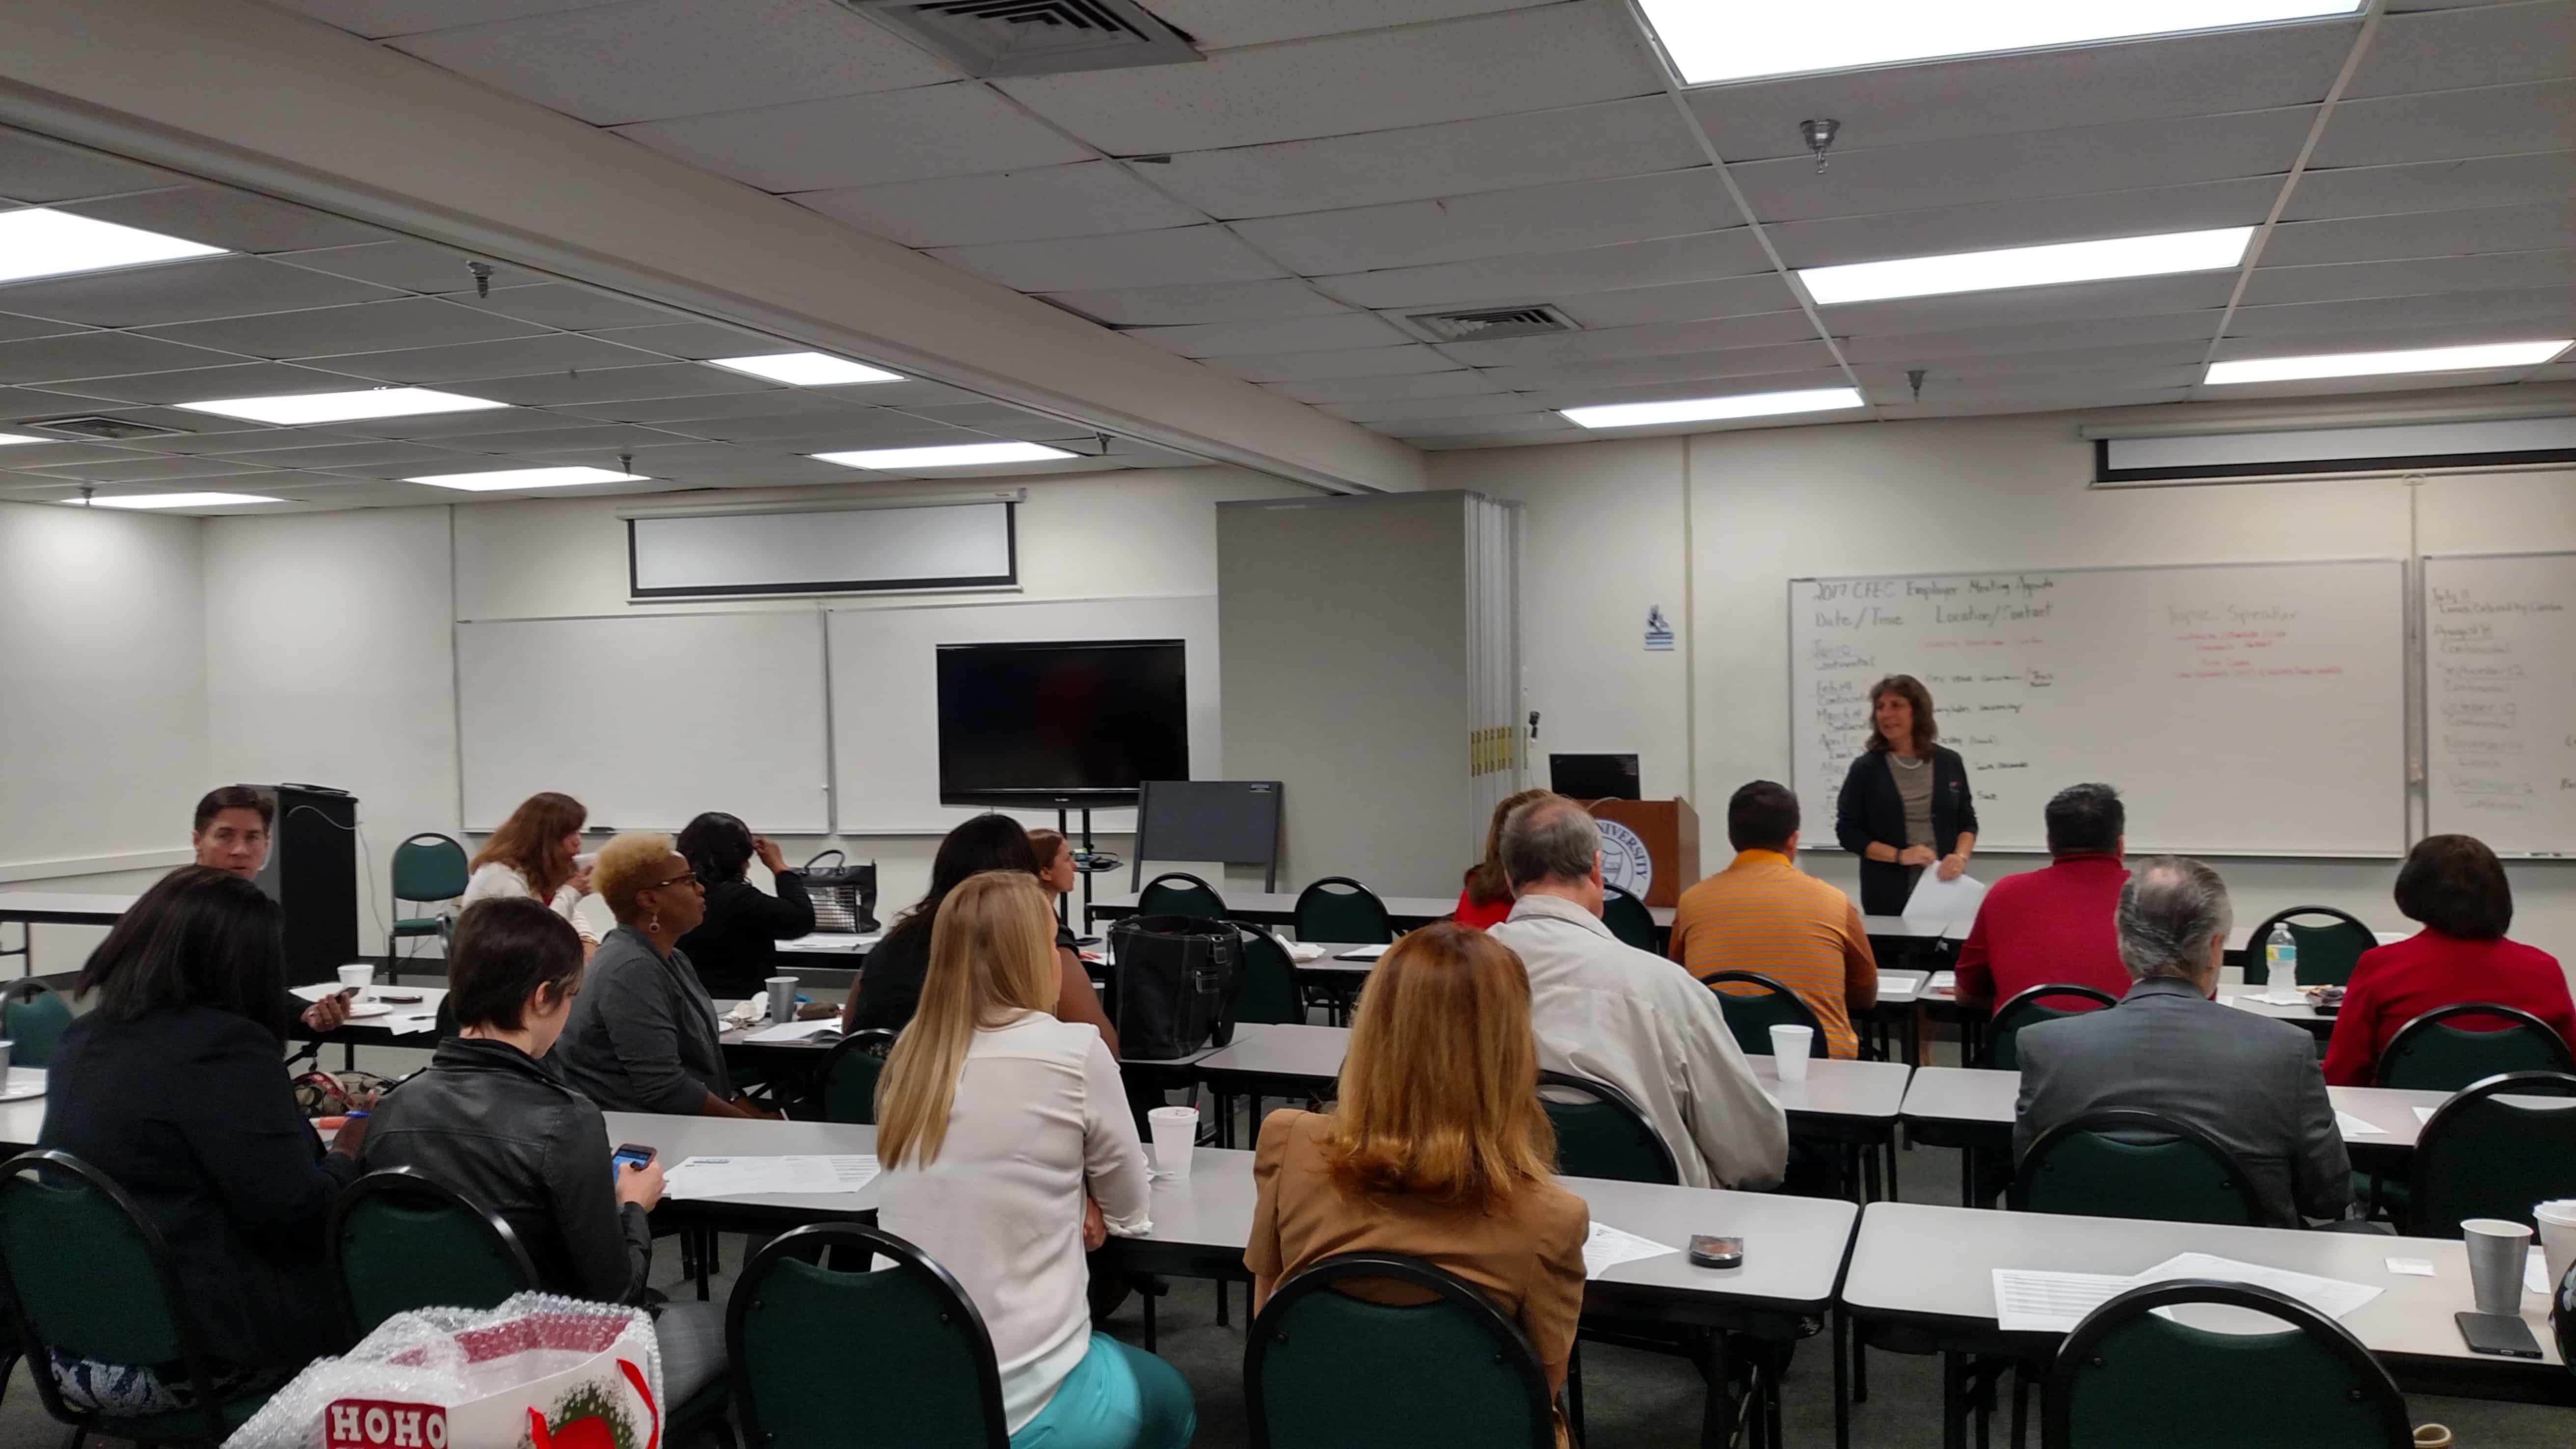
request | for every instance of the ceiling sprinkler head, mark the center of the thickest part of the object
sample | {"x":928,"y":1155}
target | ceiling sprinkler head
{"x":1819,"y":136}
{"x":1914,"y":378}
{"x":481,"y":272}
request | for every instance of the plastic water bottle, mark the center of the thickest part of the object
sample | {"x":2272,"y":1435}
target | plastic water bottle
{"x":2281,"y":965}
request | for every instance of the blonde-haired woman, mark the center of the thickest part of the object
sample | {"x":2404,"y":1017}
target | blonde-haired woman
{"x":1437,"y":1148}
{"x":993,"y":1120}
{"x":642,"y":1036}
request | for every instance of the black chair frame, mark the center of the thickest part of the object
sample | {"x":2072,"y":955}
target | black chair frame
{"x":1176,"y":875}
{"x":1360,"y":886}
{"x":812,"y":1241}
{"x":2428,"y":1137}
{"x":2132,"y":1119}
{"x":1994,"y":1027}
{"x":1610,"y":893}
{"x":862,"y":1040}
{"x":405,"y":1182}
{"x":1510,"y":1347}
{"x":2056,"y":1429}
{"x":2263,"y":930}
{"x":393,"y":962}
{"x":1817,"y":1046}
{"x":1610,"y":1095}
{"x":2441,"y":1015}
{"x":84,"y":1422}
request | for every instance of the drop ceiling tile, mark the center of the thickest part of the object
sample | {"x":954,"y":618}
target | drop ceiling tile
{"x":2350,"y":280}
{"x":616,"y":384}
{"x":2039,"y":366}
{"x":727,"y":464}
{"x":146,"y":470}
{"x":234,"y":220}
{"x":647,"y":60}
{"x":911,"y":392}
{"x":2538,"y":311}
{"x":858,"y":428}
{"x":2078,"y":388}
{"x":2482,"y":46}
{"x":336,"y":331}
{"x":32,"y":458}
{"x":97,"y":354}
{"x":1134,"y":259}
{"x":695,"y":340}
{"x":2450,"y":125}
{"x":1489,"y":153}
{"x":41,"y":170}
{"x":1987,"y":407}
{"x":1579,"y":392}
{"x":1188,"y":306}
{"x":1465,"y":382}
{"x":1540,"y":421}
{"x":1218,"y":24}
{"x":1496,"y":223}
{"x":1680,"y":301}
{"x":1496,"y":280}
{"x":1643,"y":374}
{"x":568,"y":305}
{"x":1129,"y":452}
{"x":2380,"y":339}
{"x":2422,"y":234}
{"x":1767,"y":333}
{"x":1979,"y":227}
{"x":608,"y":437}
{"x":379,"y":18}
{"x":369,"y":459}
{"x":511,"y":357}
{"x":2128,"y":297}
{"x":413,"y":266}
{"x":439,"y":428}
{"x":2432,"y":186}
{"x":1532,"y":59}
{"x":1005,"y":421}
{"x":2033,"y":337}
{"x":2073,"y":162}
{"x":2049,"y":90}
{"x":1382,"y":410}
{"x":14,"y":327}
{"x":678,"y":411}
{"x":197,"y":384}
{"x":184,"y":292}
{"x":1089,"y":198}
{"x":1299,"y":334}
{"x":942,"y":130}
{"x":1360,"y":362}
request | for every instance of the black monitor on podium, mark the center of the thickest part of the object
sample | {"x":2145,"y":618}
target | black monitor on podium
{"x":1594,"y":777}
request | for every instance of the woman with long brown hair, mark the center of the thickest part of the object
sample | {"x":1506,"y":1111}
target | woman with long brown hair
{"x":1437,"y":1148}
{"x":1487,"y":896}
{"x":531,"y":855}
{"x":1905,"y":806}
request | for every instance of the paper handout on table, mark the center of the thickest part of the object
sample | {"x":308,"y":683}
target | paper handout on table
{"x":1608,"y":1247}
{"x":1302,"y":950}
{"x":711,"y":1177}
{"x":2332,"y":1297}
{"x":796,"y":1030}
{"x":2027,"y":1301}
{"x":2424,"y":1115}
{"x":1943,"y":983}
{"x":1362,"y":953}
{"x":1892,"y":985}
{"x":2352,"y":1126}
{"x":830,"y":941}
{"x":1936,"y":899}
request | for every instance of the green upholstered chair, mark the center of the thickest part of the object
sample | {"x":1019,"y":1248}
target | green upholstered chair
{"x":2480,"y":1156}
{"x":429,"y":868}
{"x":2429,"y":1054}
{"x":1628,"y":918}
{"x":850,"y":1072}
{"x":2027,"y":1008}
{"x":1266,"y":988}
{"x":1324,"y":1370}
{"x":1752,"y":1014}
{"x":400,"y":1241}
{"x":88,"y":1276}
{"x":2328,"y":948}
{"x":2125,"y":1163}
{"x":1338,"y":908}
{"x":1604,"y":1133}
{"x":824,"y":1353}
{"x":33,"y":1016}
{"x":1179,"y":893}
{"x":2127,"y":1378}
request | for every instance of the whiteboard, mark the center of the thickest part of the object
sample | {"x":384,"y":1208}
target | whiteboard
{"x":885,"y":696}
{"x":2500,"y":700}
{"x":648,"y":719}
{"x":2253,"y":709}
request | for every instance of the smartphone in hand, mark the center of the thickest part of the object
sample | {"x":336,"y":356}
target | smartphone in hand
{"x":628,"y":1154}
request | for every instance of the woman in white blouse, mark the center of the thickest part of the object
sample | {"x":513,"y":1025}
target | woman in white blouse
{"x":993,"y":1121}
{"x":531,"y":856}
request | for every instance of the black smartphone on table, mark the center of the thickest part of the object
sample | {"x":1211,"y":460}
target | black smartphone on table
{"x":2497,"y":1333}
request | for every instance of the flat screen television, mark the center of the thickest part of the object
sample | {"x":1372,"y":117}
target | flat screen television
{"x":1073,"y":723}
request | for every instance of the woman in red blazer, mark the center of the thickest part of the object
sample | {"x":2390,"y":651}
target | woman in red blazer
{"x":2453,"y":884}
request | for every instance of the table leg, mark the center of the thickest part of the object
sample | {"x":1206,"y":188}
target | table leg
{"x":1842,"y":1380}
{"x":1954,"y":1427}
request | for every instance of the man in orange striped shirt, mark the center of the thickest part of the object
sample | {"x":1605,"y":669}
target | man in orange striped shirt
{"x":1763,"y":914}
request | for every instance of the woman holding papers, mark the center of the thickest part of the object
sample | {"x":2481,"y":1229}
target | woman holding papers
{"x":736,"y":947}
{"x":1906,"y":804}
{"x":487,"y":1119}
{"x":994,"y":1119}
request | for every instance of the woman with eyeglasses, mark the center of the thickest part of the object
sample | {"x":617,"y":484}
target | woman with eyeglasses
{"x":643,"y":1034}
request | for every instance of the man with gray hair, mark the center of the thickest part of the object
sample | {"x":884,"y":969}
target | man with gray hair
{"x":2251,"y":1083}
{"x":1607,"y":1011}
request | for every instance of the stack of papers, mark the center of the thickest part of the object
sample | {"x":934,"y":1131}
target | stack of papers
{"x":1303,"y":950}
{"x":797,"y":1030}
{"x":713,"y":1177}
{"x":2352,"y":1126}
{"x":2038,"y":1302}
{"x":1892,"y":987}
{"x":1362,"y":953}
{"x":1955,"y":899}
{"x":831,"y":941}
{"x":1608,"y":1247}
{"x":1943,"y":983}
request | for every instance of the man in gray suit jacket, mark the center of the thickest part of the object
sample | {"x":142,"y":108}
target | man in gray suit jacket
{"x":2250,"y":1082}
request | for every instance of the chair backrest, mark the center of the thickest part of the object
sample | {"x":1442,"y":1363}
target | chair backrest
{"x":1628,"y":918}
{"x":2030,"y":1007}
{"x":2481,"y":1157}
{"x":2429,"y":1054}
{"x":33,"y":1016}
{"x":1338,"y":908}
{"x":1605,"y":1134}
{"x":2328,"y":949}
{"x":400,"y":1241}
{"x":2124,"y":1163}
{"x":1179,"y":893}
{"x":1322,"y":1369}
{"x":1752,"y":1014}
{"x":811,"y":1343}
{"x":2129,"y":1377}
{"x":429,"y":867}
{"x":1265,"y":987}
{"x":850,"y":1072}
{"x":87,"y":1275}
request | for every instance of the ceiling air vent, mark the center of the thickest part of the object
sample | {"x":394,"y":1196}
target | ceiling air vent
{"x":1035,"y":37}
{"x":1491,"y":324}
{"x":101,"y":429}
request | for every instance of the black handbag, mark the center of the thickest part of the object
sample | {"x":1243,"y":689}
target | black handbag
{"x":844,"y":896}
{"x":1174,"y":985}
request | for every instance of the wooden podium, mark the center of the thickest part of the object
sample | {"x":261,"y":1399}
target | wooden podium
{"x":1653,"y":844}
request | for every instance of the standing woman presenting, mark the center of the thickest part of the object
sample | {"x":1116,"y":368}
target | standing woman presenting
{"x":1906,"y":803}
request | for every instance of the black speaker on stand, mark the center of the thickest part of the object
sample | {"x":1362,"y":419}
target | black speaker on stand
{"x":312,"y":873}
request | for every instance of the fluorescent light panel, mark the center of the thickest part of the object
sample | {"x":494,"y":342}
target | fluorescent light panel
{"x":171,"y":500}
{"x":2380,"y":364}
{"x":1709,"y":409}
{"x":807,"y":369}
{"x":295,"y":409}
{"x":514,"y":478}
{"x":955,"y":455}
{"x":7,"y":438}
{"x":1732,"y":40}
{"x":42,"y":242}
{"x":2041,"y":266}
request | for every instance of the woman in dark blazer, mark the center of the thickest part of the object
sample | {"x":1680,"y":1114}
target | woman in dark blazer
{"x":1906,"y":803}
{"x":736,"y":947}
{"x":175,"y":1088}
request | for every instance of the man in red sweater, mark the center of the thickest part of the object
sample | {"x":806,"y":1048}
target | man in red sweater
{"x":2053,"y":926}
{"x":2454,"y":885}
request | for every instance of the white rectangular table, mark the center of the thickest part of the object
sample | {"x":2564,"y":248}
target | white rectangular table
{"x":1280,"y":908}
{"x":31,"y":909}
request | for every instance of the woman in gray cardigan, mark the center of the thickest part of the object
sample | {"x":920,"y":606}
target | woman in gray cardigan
{"x":643,"y":1034}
